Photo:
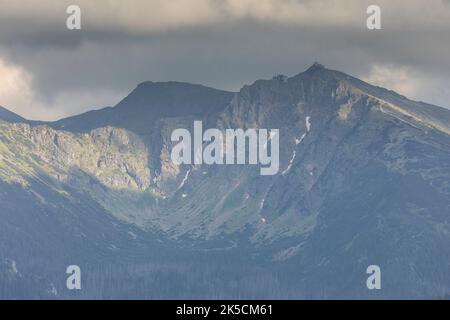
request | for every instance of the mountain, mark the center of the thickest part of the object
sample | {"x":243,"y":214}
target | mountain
{"x":9,"y":116}
{"x":364,"y":180}
{"x":148,"y":103}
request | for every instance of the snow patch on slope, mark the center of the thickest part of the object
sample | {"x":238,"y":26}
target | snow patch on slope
{"x":297,"y":142}
{"x":183,"y":182}
{"x":290,"y":163}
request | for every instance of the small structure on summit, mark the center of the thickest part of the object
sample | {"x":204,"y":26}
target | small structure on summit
{"x":280,"y":77}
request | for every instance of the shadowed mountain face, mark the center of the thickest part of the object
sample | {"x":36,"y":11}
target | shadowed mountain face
{"x":9,"y":116}
{"x":151,"y":102}
{"x":364,"y":180}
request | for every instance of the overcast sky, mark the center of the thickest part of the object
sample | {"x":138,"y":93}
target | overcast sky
{"x":48,"y":72}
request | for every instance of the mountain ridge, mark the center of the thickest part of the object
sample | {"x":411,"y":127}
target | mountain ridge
{"x":9,"y":116}
{"x":146,"y":88}
{"x":150,"y":101}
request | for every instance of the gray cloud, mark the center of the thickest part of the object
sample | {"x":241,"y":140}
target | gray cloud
{"x":224,"y":44}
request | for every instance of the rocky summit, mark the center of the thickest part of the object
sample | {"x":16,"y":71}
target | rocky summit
{"x":364,"y":179}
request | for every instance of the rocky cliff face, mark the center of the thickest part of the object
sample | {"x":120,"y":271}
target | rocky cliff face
{"x":115,"y":157}
{"x":364,"y":179}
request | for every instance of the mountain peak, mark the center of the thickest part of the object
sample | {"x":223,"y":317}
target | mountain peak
{"x":316,"y":66}
{"x":149,"y":102}
{"x":319,"y":70}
